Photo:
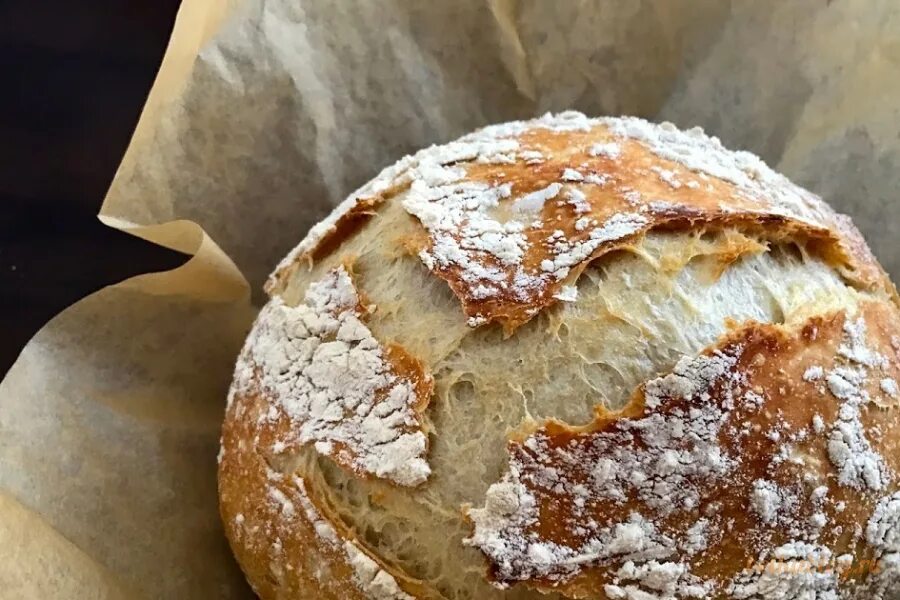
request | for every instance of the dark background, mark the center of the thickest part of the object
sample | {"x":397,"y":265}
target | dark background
{"x":73,"y":79}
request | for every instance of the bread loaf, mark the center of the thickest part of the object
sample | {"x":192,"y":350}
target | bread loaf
{"x":571,"y":358}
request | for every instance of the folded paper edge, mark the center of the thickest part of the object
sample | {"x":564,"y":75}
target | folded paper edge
{"x":210,"y":274}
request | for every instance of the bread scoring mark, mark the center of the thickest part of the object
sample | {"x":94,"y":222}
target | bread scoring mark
{"x":295,"y":535}
{"x":734,"y":445}
{"x":348,"y":224}
{"x":506,"y":236}
{"x":356,"y":400}
{"x":344,"y":220}
{"x":514,"y":211}
{"x":375,"y":582}
{"x":283,"y":529}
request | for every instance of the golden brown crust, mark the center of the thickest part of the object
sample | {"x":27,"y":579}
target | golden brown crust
{"x":631,"y":188}
{"x":283,"y":533}
{"x":773,"y":362}
{"x":624,"y":194}
{"x":253,"y":522}
{"x":508,"y":217}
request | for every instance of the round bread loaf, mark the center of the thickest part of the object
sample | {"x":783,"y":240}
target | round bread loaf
{"x":571,"y":358}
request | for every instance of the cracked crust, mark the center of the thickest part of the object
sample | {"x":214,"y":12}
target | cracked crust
{"x":774,"y":363}
{"x":508,"y":226}
{"x":604,"y":200}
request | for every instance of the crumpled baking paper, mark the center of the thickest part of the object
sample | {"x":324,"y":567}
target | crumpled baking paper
{"x":267,"y":113}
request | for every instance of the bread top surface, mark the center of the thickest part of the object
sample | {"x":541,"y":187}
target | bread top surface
{"x":484,"y":308}
{"x":512,"y":212}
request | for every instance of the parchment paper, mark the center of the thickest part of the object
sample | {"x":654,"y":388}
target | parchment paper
{"x":265,"y":114}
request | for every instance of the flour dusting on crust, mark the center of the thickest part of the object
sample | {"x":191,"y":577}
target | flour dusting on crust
{"x":324,"y":529}
{"x":512,"y":210}
{"x":354,"y":399}
{"x":639,"y":501}
{"x":795,"y":577}
{"x":664,"y":459}
{"x":849,"y":448}
{"x":705,"y":154}
{"x":883,"y":530}
{"x":883,"y":534}
{"x":374,"y":581}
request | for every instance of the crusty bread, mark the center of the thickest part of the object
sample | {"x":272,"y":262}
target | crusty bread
{"x":571,"y":358}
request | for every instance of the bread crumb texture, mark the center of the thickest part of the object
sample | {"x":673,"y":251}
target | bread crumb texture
{"x":571,"y":358}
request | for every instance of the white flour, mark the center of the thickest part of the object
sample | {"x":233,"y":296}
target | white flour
{"x":374,"y":581}
{"x":677,"y":451}
{"x":325,"y":371}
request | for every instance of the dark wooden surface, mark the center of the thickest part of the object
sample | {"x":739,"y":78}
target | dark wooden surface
{"x":73,"y":79}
